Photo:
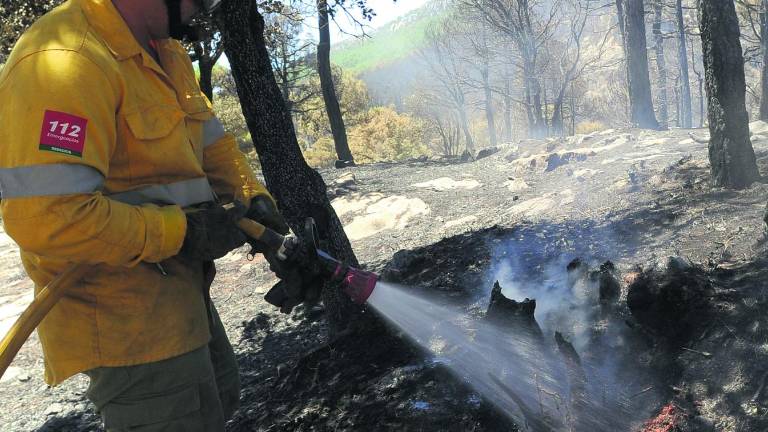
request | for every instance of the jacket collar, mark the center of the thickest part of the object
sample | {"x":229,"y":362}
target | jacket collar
{"x":109,"y":24}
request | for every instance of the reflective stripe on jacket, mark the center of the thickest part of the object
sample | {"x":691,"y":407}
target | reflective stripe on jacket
{"x":100,"y":148}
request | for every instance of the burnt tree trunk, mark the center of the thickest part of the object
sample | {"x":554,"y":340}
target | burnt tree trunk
{"x":764,"y":47}
{"x":700,"y":84}
{"x":461,"y":111}
{"x":207,"y":53}
{"x":621,"y":17}
{"x":640,"y":98}
{"x":537,"y":126}
{"x":489,"y":116}
{"x":682,"y":56}
{"x":507,"y":110}
{"x":661,"y":63}
{"x":299,"y":190}
{"x":731,"y":157}
{"x":326,"y":83}
{"x":206,"y":76}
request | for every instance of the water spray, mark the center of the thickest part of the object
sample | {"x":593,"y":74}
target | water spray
{"x":524,"y":377}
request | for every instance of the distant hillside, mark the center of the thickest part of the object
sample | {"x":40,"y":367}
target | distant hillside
{"x":392,"y":42}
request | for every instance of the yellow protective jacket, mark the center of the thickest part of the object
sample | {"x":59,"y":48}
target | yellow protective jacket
{"x":100,"y":148}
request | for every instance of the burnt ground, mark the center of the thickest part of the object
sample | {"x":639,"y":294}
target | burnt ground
{"x":522,"y":214}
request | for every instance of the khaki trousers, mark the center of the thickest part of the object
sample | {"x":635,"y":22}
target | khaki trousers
{"x":194,"y":392}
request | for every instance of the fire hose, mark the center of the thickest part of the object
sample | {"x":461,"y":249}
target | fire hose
{"x":358,"y":284}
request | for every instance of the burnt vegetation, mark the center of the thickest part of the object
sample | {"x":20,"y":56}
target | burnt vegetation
{"x":621,"y":250}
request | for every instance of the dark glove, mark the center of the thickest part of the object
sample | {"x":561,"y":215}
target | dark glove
{"x":296,"y":285}
{"x":263,"y":211}
{"x":211,"y":233}
{"x":300,"y":278}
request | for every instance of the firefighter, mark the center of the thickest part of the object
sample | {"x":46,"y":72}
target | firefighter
{"x":110,"y":155}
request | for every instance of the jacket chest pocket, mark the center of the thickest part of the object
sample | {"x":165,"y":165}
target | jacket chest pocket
{"x":159,"y":145}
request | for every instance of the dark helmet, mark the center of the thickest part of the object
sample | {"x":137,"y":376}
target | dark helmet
{"x":179,"y":30}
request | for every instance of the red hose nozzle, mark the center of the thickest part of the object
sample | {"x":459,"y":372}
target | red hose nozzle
{"x":359,"y":284}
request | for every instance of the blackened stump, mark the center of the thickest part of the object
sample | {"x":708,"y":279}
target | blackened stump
{"x":672,"y":304}
{"x":508,"y":312}
{"x":609,"y":287}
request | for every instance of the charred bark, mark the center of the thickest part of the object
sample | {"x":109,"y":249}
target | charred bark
{"x":206,"y":77}
{"x":206,"y":53}
{"x":700,"y":83}
{"x":469,"y":142}
{"x":731,"y":157}
{"x":507,"y":111}
{"x":299,"y":190}
{"x":326,"y":83}
{"x":764,"y":47}
{"x":661,"y":64}
{"x":682,"y":56}
{"x":640,"y":98}
{"x":489,"y":116}
{"x":511,"y":313}
{"x":621,"y":17}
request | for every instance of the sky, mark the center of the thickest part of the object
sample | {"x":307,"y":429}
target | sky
{"x":386,"y":11}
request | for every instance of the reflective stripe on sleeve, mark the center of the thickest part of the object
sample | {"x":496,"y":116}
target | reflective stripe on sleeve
{"x":183,"y":193}
{"x":212,"y":131}
{"x":47,"y":180}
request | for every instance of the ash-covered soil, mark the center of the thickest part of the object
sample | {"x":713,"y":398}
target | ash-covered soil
{"x":450,"y":229}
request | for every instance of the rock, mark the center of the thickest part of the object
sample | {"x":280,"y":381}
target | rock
{"x":484,"y":153}
{"x":545,"y":162}
{"x":54,"y":408}
{"x":342,"y":185}
{"x":345,"y":180}
{"x":23,"y":377}
{"x":466,"y":156}
{"x":674,"y":263}
{"x":516,"y":185}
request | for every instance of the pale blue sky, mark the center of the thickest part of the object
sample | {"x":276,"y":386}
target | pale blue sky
{"x":386,"y":11}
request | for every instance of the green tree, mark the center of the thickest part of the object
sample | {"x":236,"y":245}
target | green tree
{"x":387,"y":135}
{"x":311,"y":119}
{"x":15,"y":17}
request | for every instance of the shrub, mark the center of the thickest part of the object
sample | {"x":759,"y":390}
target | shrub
{"x":321,"y":154}
{"x":589,"y":127}
{"x":386,"y":135}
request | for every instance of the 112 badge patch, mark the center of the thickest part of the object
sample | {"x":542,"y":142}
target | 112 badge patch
{"x":63,"y":133}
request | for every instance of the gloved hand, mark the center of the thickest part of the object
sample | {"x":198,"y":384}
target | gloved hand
{"x":300,"y":280}
{"x":211,"y":232}
{"x":263,"y":211}
{"x":296,"y":286}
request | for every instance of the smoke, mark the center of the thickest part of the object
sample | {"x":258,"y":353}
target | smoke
{"x":565,"y":301}
{"x":507,"y":369}
{"x":591,"y":386}
{"x":535,"y":265}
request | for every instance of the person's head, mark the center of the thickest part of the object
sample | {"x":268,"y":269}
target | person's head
{"x":161,"y":19}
